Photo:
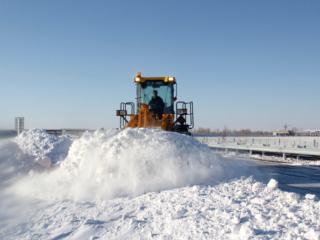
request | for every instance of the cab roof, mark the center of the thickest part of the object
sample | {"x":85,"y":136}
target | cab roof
{"x":167,"y":79}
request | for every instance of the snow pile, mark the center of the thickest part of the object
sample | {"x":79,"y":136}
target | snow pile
{"x":46,"y":149}
{"x":32,"y":151}
{"x":240,"y":209}
{"x":104,"y":165}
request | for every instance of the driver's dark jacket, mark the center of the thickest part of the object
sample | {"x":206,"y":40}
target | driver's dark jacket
{"x":156,"y":105}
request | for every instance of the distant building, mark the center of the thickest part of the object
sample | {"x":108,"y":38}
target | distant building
{"x":283,"y":133}
{"x":19,"y":124}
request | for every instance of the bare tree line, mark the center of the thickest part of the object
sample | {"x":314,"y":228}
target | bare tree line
{"x":226,"y":132}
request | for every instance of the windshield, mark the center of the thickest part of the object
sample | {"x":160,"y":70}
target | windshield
{"x":164,"y":90}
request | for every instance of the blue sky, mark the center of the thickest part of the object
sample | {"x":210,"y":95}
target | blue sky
{"x":245,"y":64}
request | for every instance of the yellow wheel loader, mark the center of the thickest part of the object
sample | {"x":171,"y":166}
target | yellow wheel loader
{"x":157,"y":106}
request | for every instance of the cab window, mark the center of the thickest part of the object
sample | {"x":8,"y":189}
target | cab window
{"x":165,"y":91}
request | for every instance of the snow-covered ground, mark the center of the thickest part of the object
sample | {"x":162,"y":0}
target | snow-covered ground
{"x":140,"y":184}
{"x":240,"y":209}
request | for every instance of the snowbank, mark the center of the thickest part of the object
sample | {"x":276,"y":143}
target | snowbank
{"x":104,"y":165}
{"x":33,"y":150}
{"x":46,"y":149}
{"x":240,"y":209}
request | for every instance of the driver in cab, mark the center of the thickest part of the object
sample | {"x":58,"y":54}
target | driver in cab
{"x":156,"y":104}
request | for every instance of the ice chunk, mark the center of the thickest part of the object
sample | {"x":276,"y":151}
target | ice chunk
{"x":310,"y":196}
{"x":272,"y":184}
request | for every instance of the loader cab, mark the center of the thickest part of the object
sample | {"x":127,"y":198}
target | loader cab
{"x":164,"y":87}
